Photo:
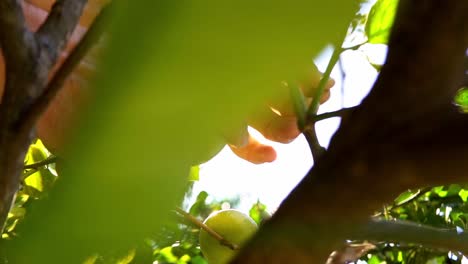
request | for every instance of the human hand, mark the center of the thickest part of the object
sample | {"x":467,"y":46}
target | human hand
{"x":277,"y":121}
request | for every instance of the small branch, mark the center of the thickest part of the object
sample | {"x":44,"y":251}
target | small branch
{"x":337,"y":113}
{"x":210,"y":231}
{"x":47,"y":161}
{"x":408,"y":232}
{"x":311,"y":135}
{"x":314,"y":145}
{"x":86,"y":43}
{"x":59,"y":25}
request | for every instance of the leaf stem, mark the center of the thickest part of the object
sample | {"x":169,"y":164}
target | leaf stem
{"x":321,"y":87}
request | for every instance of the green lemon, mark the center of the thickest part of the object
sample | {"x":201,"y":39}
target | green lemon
{"x":232,"y":225}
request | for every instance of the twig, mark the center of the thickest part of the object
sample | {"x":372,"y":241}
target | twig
{"x":314,"y":145}
{"x":311,"y":135}
{"x":86,"y":43}
{"x":337,"y":113}
{"x":47,"y":161}
{"x":210,"y":231}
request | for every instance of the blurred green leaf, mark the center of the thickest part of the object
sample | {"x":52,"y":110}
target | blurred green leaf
{"x":199,"y":204}
{"x":406,"y":196}
{"x":259,"y":213}
{"x":463,"y":194}
{"x":166,"y":255}
{"x":380,"y":21}
{"x":175,"y":74}
{"x":453,"y":190}
{"x":374,"y":260}
{"x":461,"y":99}
{"x":198,"y":260}
{"x":194,"y":174}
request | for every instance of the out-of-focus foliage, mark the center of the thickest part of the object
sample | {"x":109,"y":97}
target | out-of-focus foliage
{"x":461,"y":99}
{"x":174,"y":76}
{"x":37,"y":181}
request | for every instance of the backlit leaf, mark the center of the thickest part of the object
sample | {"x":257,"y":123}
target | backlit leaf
{"x":380,"y":21}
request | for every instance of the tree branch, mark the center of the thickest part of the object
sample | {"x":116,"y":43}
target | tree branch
{"x":14,"y":32}
{"x":411,"y":233}
{"x":19,"y":48}
{"x":59,"y":25}
{"x":314,"y":145}
{"x":29,"y":58}
{"x":402,"y":232}
{"x":95,"y":31}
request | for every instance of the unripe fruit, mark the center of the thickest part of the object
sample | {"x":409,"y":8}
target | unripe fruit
{"x":233,"y":226}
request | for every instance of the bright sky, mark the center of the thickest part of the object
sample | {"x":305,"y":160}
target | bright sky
{"x":226,"y":175}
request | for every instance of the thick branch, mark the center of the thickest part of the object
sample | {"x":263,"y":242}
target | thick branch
{"x":58,"y":27}
{"x":14,"y":33}
{"x":18,"y":47}
{"x":87,"y":42}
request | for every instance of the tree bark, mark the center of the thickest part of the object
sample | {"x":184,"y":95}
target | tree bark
{"x":405,"y":134}
{"x":29,"y":58}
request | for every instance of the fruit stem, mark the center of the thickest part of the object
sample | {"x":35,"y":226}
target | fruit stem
{"x":210,"y":231}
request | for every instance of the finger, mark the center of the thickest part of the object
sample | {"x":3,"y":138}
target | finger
{"x":255,"y":152}
{"x":237,"y":135}
{"x":275,"y":127}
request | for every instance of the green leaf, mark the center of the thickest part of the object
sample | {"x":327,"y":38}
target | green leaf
{"x":259,"y":213}
{"x":453,"y":190}
{"x":199,"y":204}
{"x":194,"y":174}
{"x":406,"y":196}
{"x":198,"y":260}
{"x":374,"y":260}
{"x":299,"y":103}
{"x":380,"y":21}
{"x":463,"y":195}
